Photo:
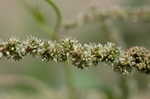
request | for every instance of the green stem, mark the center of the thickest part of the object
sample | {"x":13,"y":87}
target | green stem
{"x":42,"y":21}
{"x":58,"y":13}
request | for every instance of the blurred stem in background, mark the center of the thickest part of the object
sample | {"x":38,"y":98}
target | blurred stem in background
{"x":59,"y":18}
{"x":42,"y":22}
{"x":72,"y":92}
{"x":39,"y":17}
{"x":58,"y":14}
{"x":114,"y":35}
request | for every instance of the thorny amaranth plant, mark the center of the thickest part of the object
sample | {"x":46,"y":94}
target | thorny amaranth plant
{"x":79,"y":55}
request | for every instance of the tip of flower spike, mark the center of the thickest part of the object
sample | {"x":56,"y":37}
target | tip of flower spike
{"x":134,"y":59}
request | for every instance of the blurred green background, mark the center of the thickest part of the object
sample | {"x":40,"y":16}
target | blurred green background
{"x":31,"y":78}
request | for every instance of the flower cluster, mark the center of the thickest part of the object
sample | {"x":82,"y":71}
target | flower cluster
{"x":79,"y":55}
{"x":135,"y":58}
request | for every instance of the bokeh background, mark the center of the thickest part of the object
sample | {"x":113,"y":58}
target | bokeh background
{"x":31,"y":78}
